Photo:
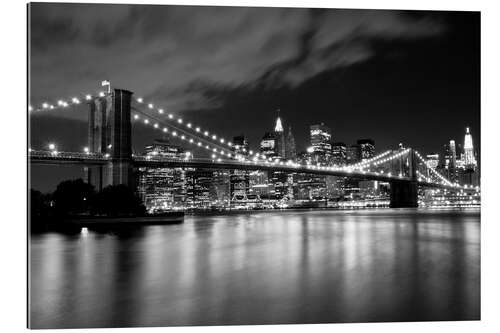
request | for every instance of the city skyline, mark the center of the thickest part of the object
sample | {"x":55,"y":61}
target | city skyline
{"x":398,"y":70}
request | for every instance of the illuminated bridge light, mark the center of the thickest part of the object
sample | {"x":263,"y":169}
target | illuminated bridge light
{"x":205,"y":133}
{"x":179,"y":121}
{"x":139,"y":100}
{"x":146,"y":121}
{"x":101,"y":94}
{"x":88,"y":97}
{"x":160,"y":111}
{"x":170,"y":116}
{"x":136,"y":116}
{"x":165,"y":129}
{"x":150,"y":105}
{"x":188,"y":125}
{"x":45,"y":105}
{"x":197,"y":129}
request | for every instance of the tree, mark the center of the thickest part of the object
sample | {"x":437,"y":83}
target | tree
{"x":39,"y":204}
{"x":118,"y":200}
{"x":73,"y":197}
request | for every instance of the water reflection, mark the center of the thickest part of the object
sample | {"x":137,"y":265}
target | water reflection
{"x":270,"y":267}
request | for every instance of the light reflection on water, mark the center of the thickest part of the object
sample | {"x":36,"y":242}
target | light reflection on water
{"x":261,"y":268}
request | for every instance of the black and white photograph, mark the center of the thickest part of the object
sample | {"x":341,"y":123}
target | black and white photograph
{"x":216,"y":165}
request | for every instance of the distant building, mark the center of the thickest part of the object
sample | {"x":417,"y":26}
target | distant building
{"x":279,"y":134}
{"x":290,"y":148}
{"x":469,"y":157}
{"x":268,"y":144}
{"x":321,"y":143}
{"x":198,"y":186}
{"x":339,"y":153}
{"x":353,"y":154}
{"x":163,"y":188}
{"x":366,"y":148}
{"x":239,"y":179}
{"x":449,"y":161}
{"x":433,"y":160}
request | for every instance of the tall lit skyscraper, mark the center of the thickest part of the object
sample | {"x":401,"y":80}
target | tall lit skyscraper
{"x":449,"y":161}
{"x":353,"y":154}
{"x":469,"y":158}
{"x":279,"y":134}
{"x":321,"y":143}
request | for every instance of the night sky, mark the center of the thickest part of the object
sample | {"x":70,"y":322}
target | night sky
{"x":393,"y":76}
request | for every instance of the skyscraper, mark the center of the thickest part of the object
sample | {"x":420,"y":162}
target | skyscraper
{"x":449,"y":161}
{"x":239,"y":179}
{"x":163,"y":188}
{"x":469,"y":158}
{"x":353,"y":154}
{"x":279,"y":134}
{"x":290,"y":149}
{"x":240,"y":145}
{"x":268,"y":144}
{"x":339,"y":153}
{"x":321,"y":143}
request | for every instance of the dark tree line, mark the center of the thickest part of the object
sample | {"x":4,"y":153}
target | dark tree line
{"x":75,"y":197}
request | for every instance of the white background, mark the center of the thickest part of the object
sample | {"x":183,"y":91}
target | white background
{"x":13,"y":174}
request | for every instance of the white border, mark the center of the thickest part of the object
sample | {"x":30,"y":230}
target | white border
{"x":13,"y":166}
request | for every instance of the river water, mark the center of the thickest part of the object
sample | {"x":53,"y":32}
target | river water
{"x":262,"y":268}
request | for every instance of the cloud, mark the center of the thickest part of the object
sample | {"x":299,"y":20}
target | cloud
{"x":181,"y":55}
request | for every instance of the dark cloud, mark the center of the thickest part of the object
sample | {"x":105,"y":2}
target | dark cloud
{"x":146,"y":48}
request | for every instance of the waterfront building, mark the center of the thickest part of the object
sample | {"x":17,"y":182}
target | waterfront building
{"x":279,"y":134}
{"x":220,"y":193}
{"x":163,"y":188}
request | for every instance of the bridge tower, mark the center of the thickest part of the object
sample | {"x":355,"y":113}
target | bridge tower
{"x":109,"y":132}
{"x":404,"y":193}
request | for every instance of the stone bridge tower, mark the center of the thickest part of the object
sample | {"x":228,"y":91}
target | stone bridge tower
{"x":109,"y":133}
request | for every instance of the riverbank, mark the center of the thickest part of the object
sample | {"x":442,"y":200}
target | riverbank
{"x":93,"y":222}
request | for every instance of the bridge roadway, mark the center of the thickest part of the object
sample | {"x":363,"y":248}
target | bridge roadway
{"x":89,"y":159}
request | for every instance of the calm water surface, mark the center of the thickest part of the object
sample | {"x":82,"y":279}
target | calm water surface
{"x":262,"y":268}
